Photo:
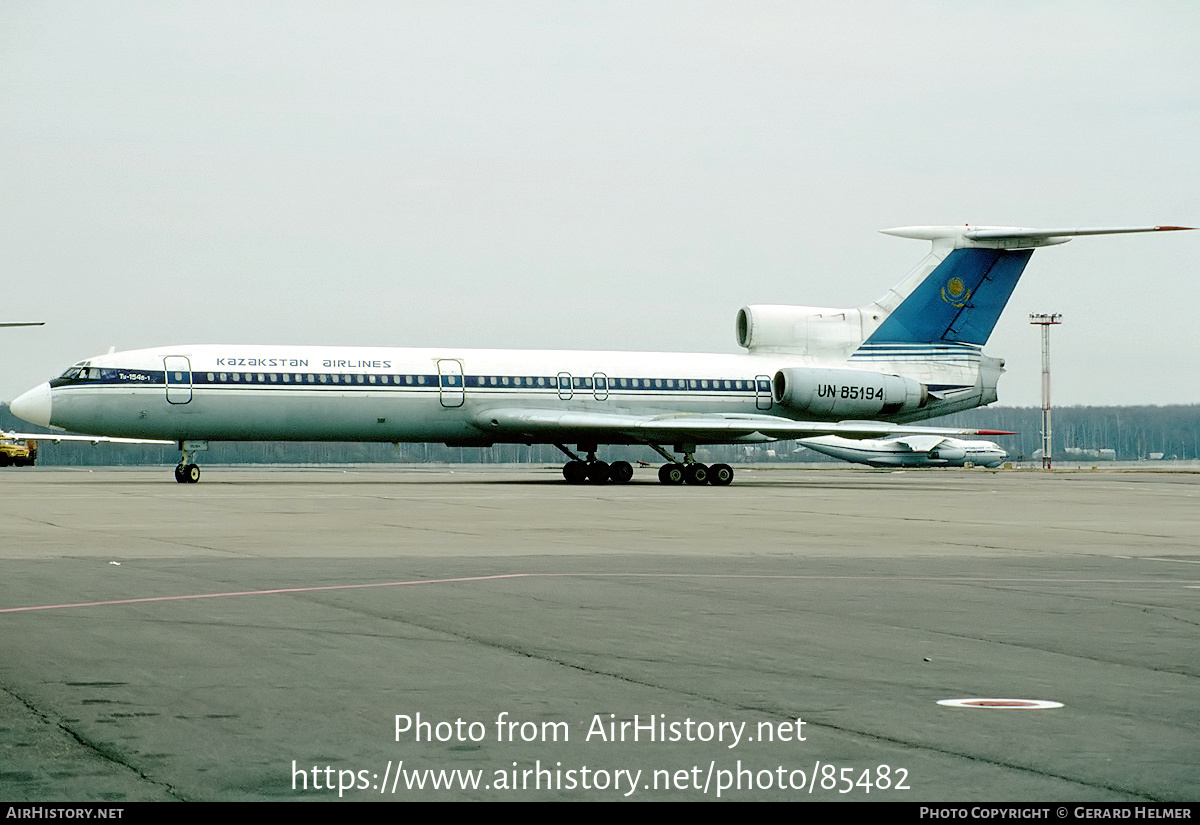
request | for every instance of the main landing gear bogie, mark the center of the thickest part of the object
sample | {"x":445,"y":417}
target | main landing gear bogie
{"x":691,"y":471}
{"x":593,"y":470}
{"x":577,"y":471}
{"x":688,"y":471}
{"x":718,"y":475}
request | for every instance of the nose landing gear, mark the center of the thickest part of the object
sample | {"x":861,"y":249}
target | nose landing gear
{"x":188,"y":472}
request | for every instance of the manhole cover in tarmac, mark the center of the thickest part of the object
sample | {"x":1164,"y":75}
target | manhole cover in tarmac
{"x":1001,"y":704}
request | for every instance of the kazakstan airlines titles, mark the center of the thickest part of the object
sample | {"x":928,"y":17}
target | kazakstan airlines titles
{"x":806,"y":372}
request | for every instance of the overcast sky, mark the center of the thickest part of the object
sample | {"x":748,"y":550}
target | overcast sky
{"x":590,"y":175}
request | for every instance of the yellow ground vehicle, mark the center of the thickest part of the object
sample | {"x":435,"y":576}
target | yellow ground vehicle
{"x":16,"y":452}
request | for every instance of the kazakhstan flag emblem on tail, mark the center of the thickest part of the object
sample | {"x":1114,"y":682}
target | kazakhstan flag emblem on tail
{"x":955,"y":293}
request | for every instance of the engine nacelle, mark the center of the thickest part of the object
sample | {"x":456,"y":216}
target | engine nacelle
{"x":814,"y":330}
{"x":946,"y":452}
{"x":839,"y":394}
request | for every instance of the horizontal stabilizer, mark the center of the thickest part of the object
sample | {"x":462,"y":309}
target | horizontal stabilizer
{"x":990,"y":233}
{"x":1014,"y":237}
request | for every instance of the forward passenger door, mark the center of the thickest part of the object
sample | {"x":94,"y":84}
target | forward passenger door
{"x":178,"y":369}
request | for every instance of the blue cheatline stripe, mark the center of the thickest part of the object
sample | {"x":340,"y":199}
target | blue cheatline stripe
{"x":957,"y":354}
{"x":108,"y":376}
{"x":940,"y":346}
{"x":908,"y":355}
{"x":959,"y":302}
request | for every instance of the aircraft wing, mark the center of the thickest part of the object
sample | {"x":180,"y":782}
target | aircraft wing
{"x":94,"y":439}
{"x":918,"y":443}
{"x":704,"y":428}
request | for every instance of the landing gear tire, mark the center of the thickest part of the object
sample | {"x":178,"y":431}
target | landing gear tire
{"x":180,"y":475}
{"x":597,"y":472}
{"x":575,"y":472}
{"x":671,"y":474}
{"x":620,"y":472}
{"x":720,"y":475}
{"x":187,"y":473}
{"x":695,"y":474}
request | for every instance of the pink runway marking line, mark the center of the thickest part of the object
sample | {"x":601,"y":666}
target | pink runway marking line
{"x":317,"y":588}
{"x":260,"y":592}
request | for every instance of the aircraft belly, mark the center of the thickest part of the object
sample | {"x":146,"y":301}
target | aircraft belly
{"x":323,"y":415}
{"x":249,"y":415}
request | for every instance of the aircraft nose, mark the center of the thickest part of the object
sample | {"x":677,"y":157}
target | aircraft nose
{"x":34,"y":406}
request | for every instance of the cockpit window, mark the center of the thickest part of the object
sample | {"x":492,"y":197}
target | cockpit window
{"x":92,"y":373}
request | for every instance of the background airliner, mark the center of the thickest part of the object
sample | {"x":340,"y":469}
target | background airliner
{"x":910,"y":451}
{"x":858,"y":373}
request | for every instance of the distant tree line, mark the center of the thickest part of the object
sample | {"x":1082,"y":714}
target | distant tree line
{"x":1133,"y":432}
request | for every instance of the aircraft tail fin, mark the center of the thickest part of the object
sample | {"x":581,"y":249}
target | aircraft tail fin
{"x":956,"y":295}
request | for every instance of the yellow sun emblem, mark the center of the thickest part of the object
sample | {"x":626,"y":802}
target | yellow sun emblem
{"x":955,"y":293}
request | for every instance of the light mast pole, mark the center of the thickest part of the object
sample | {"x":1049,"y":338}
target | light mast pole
{"x":1045,"y":321}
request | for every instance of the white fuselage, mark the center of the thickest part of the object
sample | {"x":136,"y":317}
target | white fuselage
{"x":262,"y":392}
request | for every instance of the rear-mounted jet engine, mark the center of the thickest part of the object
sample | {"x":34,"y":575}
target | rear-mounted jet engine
{"x":838,"y":394}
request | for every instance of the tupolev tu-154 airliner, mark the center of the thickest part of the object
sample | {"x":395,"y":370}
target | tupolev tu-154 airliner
{"x":862,"y":373}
